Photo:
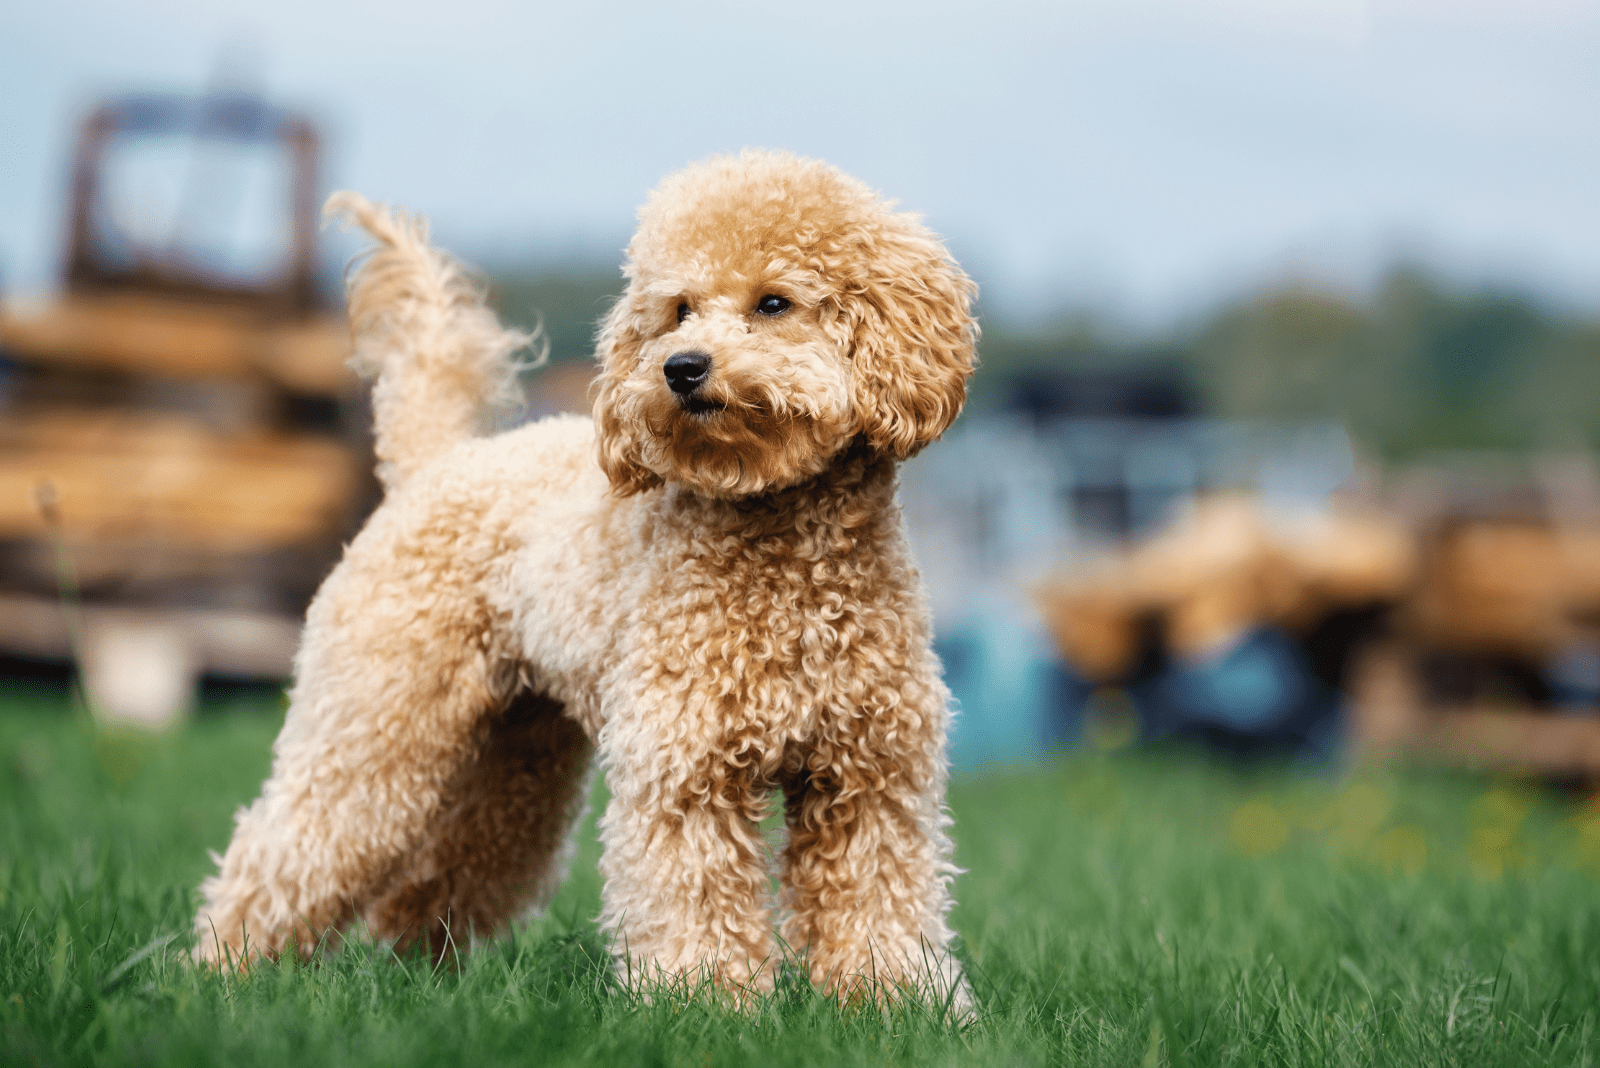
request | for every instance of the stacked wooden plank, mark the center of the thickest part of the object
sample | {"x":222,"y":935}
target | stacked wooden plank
{"x":1222,"y":569}
{"x":1465,"y":598}
{"x":139,"y":334}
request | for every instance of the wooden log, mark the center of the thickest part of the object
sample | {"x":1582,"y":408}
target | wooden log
{"x":147,"y":335}
{"x":129,"y":477}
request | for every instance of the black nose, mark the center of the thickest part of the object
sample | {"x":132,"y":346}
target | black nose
{"x":686,"y":371}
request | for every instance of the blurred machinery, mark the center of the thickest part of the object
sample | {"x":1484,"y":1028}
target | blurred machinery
{"x":1469,"y":633}
{"x":1493,"y":654}
{"x":1061,"y":473}
{"x":1097,"y":550}
{"x":1233,"y":623}
{"x":182,"y":448}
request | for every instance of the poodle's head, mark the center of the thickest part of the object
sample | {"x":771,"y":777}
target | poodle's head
{"x":776,"y":312}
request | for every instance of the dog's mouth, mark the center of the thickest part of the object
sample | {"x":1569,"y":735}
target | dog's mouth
{"x":695,"y":404}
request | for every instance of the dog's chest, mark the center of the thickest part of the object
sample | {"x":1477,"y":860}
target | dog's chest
{"x":767,"y":632}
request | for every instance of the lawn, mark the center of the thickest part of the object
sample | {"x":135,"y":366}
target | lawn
{"x":1119,"y":909}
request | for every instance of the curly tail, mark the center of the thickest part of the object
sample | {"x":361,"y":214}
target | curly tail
{"x":441,"y":359}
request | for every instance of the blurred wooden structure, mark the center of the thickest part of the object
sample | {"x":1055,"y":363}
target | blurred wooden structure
{"x":1457,"y":620}
{"x":188,"y":415}
{"x":1223,"y":569}
{"x":1470,"y":670}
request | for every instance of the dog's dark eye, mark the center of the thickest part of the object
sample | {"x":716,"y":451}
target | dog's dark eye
{"x":683,"y":312}
{"x":772,"y":305}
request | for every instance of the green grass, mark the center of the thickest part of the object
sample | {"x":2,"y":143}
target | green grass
{"x":1118,"y":910}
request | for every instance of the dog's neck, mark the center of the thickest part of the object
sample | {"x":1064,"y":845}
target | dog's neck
{"x":855,"y":493}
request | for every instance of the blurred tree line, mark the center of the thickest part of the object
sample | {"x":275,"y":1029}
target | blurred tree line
{"x":1418,"y":366}
{"x":565,"y":301}
{"x":1415,"y":367}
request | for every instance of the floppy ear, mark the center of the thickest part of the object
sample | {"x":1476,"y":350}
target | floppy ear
{"x":913,"y":339}
{"x":617,"y":349}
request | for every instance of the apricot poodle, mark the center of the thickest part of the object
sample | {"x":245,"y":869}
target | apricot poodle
{"x":708,"y":585}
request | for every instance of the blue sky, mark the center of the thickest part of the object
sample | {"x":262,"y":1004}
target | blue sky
{"x":1145,"y":158}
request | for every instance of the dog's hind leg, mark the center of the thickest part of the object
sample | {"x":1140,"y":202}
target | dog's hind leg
{"x":399,"y":676}
{"x":503,"y":840}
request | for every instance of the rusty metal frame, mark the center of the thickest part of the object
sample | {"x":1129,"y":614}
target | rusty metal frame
{"x":231,"y":116}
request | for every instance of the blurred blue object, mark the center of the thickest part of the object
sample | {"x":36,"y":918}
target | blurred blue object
{"x":1013,"y":698}
{"x":1255,"y":686}
{"x":1258,"y":693}
{"x":1573,"y":676}
{"x":1016,"y":700}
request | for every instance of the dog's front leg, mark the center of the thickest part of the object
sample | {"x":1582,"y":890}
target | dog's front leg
{"x":867,"y":868}
{"x":687,"y":892}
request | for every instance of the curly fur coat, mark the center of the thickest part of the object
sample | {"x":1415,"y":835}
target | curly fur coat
{"x":708,"y":585}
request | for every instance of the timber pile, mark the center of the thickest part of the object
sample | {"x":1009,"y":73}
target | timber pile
{"x":141,"y":477}
{"x":179,"y":452}
{"x":1507,"y":586}
{"x":1474,"y":610}
{"x":142,"y":334}
{"x":1220,"y":571}
{"x":1463,"y":677}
